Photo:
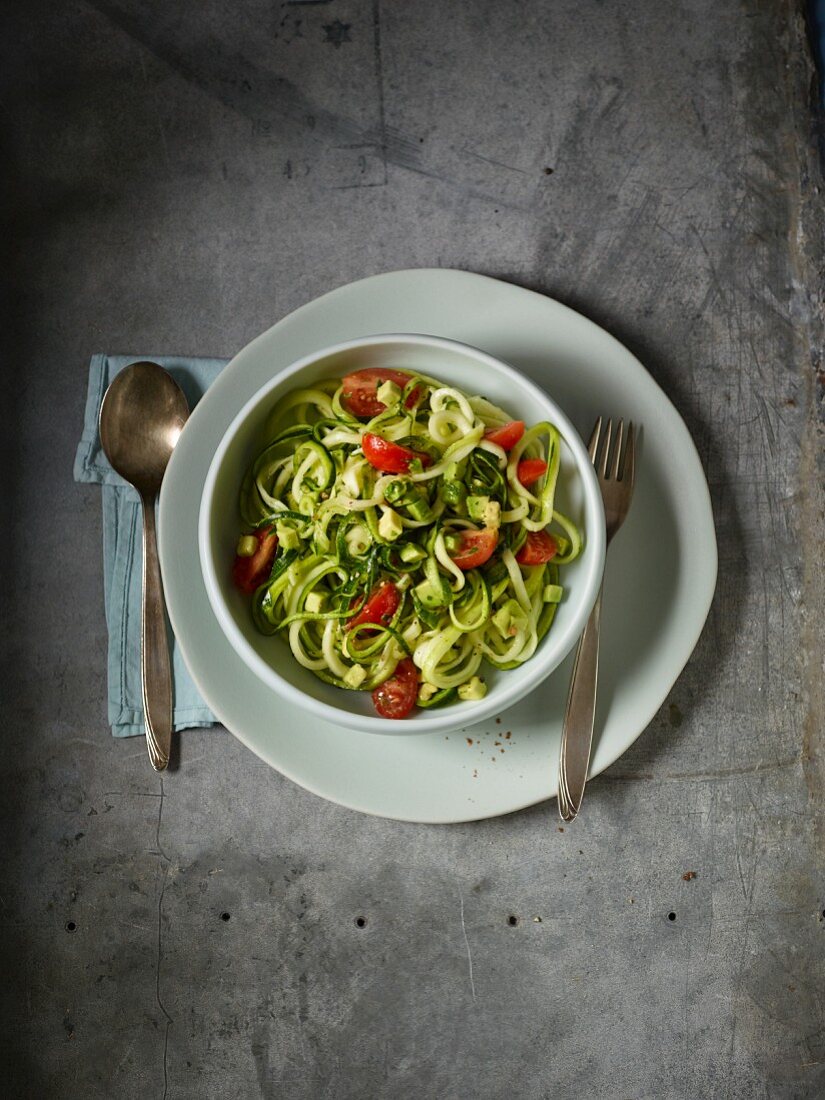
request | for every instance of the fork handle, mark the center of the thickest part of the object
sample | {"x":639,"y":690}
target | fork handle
{"x":577,"y":732}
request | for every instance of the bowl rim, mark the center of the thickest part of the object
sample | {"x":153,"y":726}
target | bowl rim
{"x":535,"y":671}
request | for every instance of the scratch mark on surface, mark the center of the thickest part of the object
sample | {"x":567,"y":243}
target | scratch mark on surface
{"x":158,"y":845}
{"x":267,"y":97}
{"x":747,"y":887}
{"x":717,"y":773}
{"x":496,"y":163}
{"x":686,"y":1036}
{"x":161,"y":1005}
{"x":163,"y":143}
{"x":467,"y":946}
{"x":379,"y":80}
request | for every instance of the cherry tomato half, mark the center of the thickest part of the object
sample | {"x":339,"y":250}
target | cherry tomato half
{"x":530,"y":470}
{"x":390,"y":458}
{"x":508,"y":435}
{"x":396,"y":697}
{"x":250,"y":573}
{"x":538,"y":548}
{"x":382,"y":603}
{"x":475,"y":548}
{"x":360,"y":390}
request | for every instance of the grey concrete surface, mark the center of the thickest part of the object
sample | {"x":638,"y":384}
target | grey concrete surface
{"x":175,"y":178}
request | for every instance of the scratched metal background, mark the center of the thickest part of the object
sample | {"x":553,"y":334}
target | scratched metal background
{"x":176,"y":177}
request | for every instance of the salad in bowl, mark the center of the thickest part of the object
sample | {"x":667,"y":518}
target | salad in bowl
{"x":401,"y":536}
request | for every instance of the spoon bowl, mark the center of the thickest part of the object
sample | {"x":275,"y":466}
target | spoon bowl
{"x":141,"y":418}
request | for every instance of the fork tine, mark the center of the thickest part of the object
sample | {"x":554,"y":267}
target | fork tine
{"x":593,"y":445}
{"x":603,"y":465}
{"x":617,"y":454}
{"x":629,"y":471}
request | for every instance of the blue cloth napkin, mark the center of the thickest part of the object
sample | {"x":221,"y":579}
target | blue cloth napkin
{"x":123,"y":556}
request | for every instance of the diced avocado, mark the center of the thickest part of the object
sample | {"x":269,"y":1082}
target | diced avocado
{"x":390,"y":526}
{"x":552,"y":593}
{"x":314,"y":602}
{"x":288,"y":537}
{"x":473,"y":689}
{"x":492,"y":514}
{"x":355,"y":676}
{"x":247,"y":545}
{"x":477,"y":507}
{"x":453,"y":492}
{"x":410,"y":553}
{"x":388,"y":393}
{"x":426,"y":691}
{"x":428,"y":595}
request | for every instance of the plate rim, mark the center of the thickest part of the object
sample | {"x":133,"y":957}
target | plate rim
{"x":702,"y":504}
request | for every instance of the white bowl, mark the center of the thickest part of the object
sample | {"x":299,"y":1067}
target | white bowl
{"x":475,"y":372}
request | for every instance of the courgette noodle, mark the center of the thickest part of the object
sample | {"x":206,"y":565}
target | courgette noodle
{"x":345,"y":527}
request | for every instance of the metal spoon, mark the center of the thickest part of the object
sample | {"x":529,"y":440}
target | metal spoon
{"x":142,"y":415}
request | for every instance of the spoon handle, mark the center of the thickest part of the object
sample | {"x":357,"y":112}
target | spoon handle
{"x":156,"y":676}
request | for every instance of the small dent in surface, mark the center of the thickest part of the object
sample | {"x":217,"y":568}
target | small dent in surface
{"x":675,"y":716}
{"x":335,"y":34}
{"x":360,"y":922}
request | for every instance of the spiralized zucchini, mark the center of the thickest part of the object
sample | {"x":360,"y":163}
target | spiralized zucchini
{"x":345,"y":528}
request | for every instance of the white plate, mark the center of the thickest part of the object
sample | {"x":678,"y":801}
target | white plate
{"x":661,"y":570}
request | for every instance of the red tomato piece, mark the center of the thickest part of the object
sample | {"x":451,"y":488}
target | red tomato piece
{"x":508,"y":435}
{"x":530,"y":470}
{"x":390,"y":458}
{"x":396,"y":697}
{"x":382,"y":603}
{"x":361,"y":387}
{"x":474,"y":548}
{"x":250,"y":573}
{"x":538,"y":548}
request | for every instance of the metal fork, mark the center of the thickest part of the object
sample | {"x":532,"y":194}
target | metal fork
{"x":616,"y":476}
